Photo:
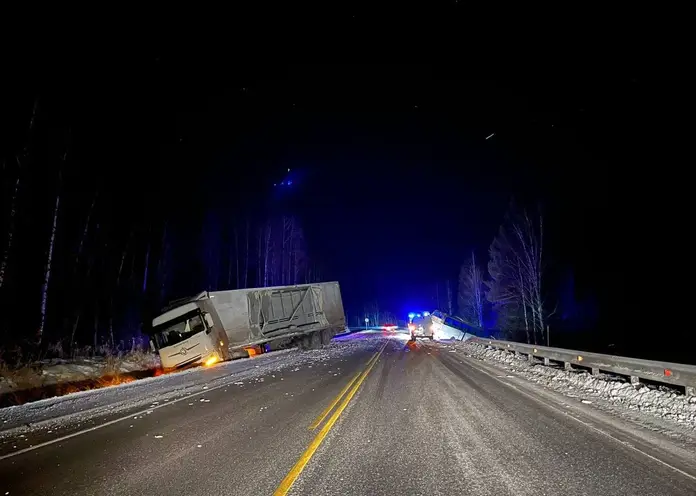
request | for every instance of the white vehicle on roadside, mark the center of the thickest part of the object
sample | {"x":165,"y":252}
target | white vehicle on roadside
{"x":422,"y":327}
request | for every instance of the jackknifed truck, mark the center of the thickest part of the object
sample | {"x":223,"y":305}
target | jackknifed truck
{"x":214,"y":326}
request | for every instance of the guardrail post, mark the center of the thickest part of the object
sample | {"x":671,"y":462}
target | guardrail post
{"x":517,"y":353}
{"x":546,"y":361}
{"x":567,"y":366}
{"x":634,"y":380}
{"x":595,"y":371}
{"x":690,"y":391}
{"x":530,"y":357}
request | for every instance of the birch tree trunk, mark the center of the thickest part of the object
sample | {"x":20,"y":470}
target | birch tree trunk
{"x":11,"y":225}
{"x":471,"y":293}
{"x":449,"y":298}
{"x":246,"y":256}
{"x":523,"y":298}
{"x":147,"y":263}
{"x":236,"y":256}
{"x":266,"y":253}
{"x":85,"y":231}
{"x":15,"y":194}
{"x":49,"y":259}
{"x":259,"y":258}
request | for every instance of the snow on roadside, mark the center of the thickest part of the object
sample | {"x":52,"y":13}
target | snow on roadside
{"x":660,"y":401}
{"x":57,"y":371}
{"x":62,"y":411}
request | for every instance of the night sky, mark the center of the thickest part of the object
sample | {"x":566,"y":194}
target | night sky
{"x":398,"y":171}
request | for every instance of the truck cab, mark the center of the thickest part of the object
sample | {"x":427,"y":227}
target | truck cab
{"x":187,"y":335}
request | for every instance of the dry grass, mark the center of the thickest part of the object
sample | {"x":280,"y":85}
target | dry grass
{"x":144,"y":359}
{"x":112,"y":366}
{"x":23,"y":377}
{"x":22,"y":370}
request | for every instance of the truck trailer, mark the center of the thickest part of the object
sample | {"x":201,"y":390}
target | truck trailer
{"x":211,"y":326}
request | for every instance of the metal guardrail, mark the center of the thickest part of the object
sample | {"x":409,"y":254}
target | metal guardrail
{"x":676,"y":374}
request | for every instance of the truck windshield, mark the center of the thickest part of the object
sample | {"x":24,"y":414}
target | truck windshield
{"x":173,"y":333}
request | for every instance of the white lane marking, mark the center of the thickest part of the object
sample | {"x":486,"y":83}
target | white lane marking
{"x":110,"y":422}
{"x":586,"y":424}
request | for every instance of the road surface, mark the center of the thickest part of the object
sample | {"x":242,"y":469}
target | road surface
{"x":405,"y":420}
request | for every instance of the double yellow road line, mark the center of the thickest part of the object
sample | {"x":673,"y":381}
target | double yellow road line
{"x":343,"y":398}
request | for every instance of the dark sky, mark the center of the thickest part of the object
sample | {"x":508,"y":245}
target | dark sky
{"x":396,"y":182}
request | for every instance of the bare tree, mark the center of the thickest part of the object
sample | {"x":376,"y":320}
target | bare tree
{"x":267,"y":231}
{"x":49,"y":259}
{"x":502,"y":286}
{"x":528,"y":252}
{"x":147,"y":262}
{"x":516,"y":269}
{"x":11,"y":224}
{"x":449,"y":298}
{"x":259,"y":258}
{"x":471,"y":293}
{"x":299,"y":254}
{"x":373,"y":314}
{"x":85,"y":231}
{"x":236,"y":258}
{"x":118,"y":285}
{"x":15,"y":194}
{"x":246,"y":254}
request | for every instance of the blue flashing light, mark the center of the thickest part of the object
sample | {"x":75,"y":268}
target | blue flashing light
{"x":289,"y":183}
{"x":411,"y":315}
{"x":425,"y":314}
{"x":418,"y":315}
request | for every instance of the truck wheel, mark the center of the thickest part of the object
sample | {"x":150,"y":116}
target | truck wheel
{"x":315,"y":340}
{"x":303,"y":343}
{"x":326,"y":336}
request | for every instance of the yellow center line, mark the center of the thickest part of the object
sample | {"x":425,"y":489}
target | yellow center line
{"x":296,"y":470}
{"x":328,"y":409}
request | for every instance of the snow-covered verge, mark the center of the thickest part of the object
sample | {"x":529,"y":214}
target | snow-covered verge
{"x":58,"y":371}
{"x":62,"y":411}
{"x":659,"y":401}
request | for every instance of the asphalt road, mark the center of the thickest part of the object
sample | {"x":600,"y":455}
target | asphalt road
{"x":415,"y":420}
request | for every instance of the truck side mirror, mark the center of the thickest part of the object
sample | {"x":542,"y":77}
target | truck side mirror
{"x":208,"y":320}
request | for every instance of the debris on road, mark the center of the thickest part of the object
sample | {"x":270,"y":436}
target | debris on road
{"x":71,"y":409}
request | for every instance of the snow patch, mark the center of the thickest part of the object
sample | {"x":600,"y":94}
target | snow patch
{"x":658,"y":400}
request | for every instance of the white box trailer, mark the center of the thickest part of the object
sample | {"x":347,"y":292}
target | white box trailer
{"x":211,"y":325}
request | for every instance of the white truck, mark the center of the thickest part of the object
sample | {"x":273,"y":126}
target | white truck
{"x":211,"y":326}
